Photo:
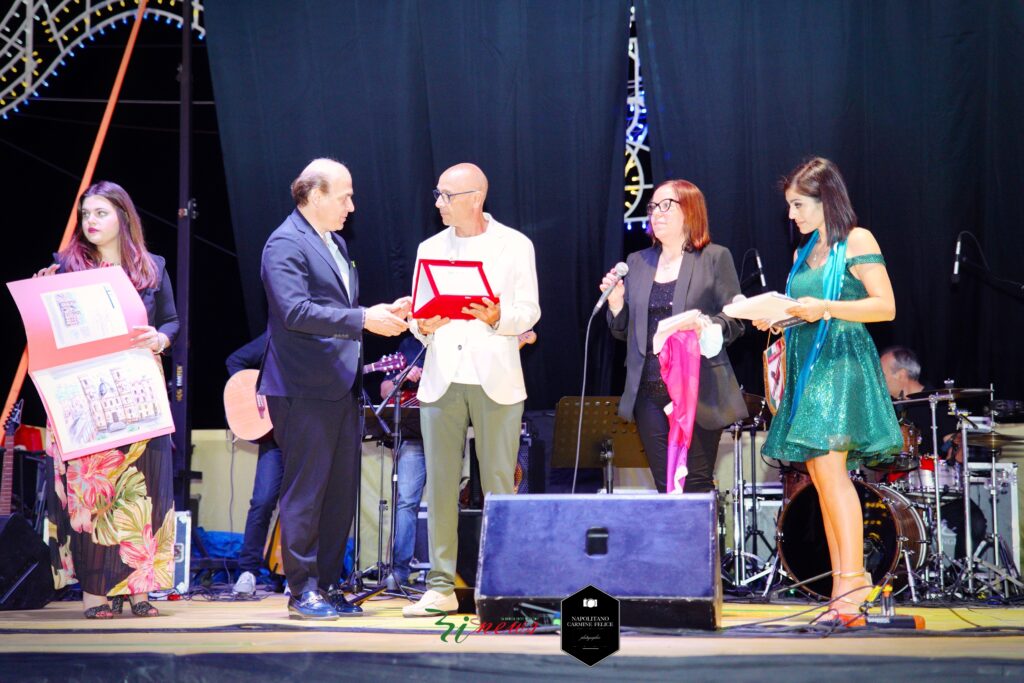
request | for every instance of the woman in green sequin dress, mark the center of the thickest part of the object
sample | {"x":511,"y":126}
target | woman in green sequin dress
{"x":835,"y":411}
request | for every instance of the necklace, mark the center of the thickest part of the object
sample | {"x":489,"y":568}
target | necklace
{"x":817,"y":256}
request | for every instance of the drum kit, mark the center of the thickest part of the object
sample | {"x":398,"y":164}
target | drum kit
{"x":904,"y":501}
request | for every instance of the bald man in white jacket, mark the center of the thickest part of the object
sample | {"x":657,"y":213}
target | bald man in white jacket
{"x":472,"y":372}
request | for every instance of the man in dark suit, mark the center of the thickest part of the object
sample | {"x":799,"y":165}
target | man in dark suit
{"x":310,"y":376}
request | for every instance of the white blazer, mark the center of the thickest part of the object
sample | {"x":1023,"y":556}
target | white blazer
{"x":511,"y":271}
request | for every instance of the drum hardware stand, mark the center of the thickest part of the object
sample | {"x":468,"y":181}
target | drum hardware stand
{"x":939,"y":555}
{"x":965,"y":475}
{"x":1000,"y":553}
{"x":910,"y":573}
{"x":740,"y":530}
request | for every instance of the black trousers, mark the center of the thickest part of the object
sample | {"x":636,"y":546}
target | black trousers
{"x":652,"y":425}
{"x":319,"y":443}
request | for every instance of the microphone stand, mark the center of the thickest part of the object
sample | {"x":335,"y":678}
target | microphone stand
{"x":385,"y":568}
{"x":355,"y":579}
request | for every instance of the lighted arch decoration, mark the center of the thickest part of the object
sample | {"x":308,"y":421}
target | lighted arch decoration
{"x":38,"y":36}
{"x":638,"y":184}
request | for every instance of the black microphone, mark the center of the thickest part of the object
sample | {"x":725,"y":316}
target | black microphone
{"x":620,"y":272}
{"x":760,"y":268}
{"x":956,"y":262}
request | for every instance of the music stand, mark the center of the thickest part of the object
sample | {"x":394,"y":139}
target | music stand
{"x":409,"y":418}
{"x":606,"y":440}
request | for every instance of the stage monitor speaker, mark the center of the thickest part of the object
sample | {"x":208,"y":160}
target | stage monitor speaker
{"x":26,"y":581}
{"x":657,"y":554}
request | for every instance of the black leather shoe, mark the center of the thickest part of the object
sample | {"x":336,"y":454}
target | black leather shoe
{"x":343,"y":607}
{"x":311,"y":605}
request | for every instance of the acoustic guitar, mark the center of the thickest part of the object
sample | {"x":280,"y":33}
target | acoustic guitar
{"x":246,"y":410}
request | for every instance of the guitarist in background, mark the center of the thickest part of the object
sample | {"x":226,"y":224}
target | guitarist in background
{"x":267,"y":486}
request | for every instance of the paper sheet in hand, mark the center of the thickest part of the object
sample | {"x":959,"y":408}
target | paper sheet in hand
{"x":445,"y":287}
{"x":98,"y":392}
{"x":770,"y":306}
{"x":666,"y":327}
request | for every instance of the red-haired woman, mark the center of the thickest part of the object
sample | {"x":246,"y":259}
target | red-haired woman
{"x":836,"y":410}
{"x":111,"y":514}
{"x":681,"y":272}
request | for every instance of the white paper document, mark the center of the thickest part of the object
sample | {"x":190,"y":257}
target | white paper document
{"x":669,"y":325}
{"x":770,"y":306}
{"x":458,"y":280}
{"x":79,"y":315}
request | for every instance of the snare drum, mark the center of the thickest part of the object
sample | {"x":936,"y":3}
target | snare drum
{"x":922,"y":480}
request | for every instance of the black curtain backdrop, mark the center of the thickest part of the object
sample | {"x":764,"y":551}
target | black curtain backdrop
{"x":533,"y":92}
{"x":920,"y":104}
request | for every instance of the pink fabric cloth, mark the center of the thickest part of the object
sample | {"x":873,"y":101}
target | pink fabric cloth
{"x":680,"y":370}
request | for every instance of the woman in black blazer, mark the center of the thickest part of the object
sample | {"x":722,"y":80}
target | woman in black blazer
{"x":111,"y":513}
{"x":681,"y":272}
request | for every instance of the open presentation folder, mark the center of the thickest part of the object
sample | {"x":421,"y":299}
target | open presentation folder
{"x":770,"y":306}
{"x":99,"y":393}
{"x":444,"y":288}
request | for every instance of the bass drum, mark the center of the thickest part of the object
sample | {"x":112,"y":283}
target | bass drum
{"x":891,"y":525}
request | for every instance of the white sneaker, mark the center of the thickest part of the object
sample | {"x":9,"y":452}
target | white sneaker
{"x":433,"y":600}
{"x":246,"y":584}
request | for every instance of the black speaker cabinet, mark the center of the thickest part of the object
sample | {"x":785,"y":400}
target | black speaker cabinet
{"x":656,"y":553}
{"x":26,"y":581}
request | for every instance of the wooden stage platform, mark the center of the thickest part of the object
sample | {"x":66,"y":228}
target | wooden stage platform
{"x":254,"y":640}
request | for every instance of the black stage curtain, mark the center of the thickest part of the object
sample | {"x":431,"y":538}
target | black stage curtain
{"x":533,"y":92}
{"x":920,"y":104}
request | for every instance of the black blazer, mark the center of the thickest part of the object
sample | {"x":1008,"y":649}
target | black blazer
{"x":159,"y":300}
{"x":315,"y":326}
{"x":707,"y":281}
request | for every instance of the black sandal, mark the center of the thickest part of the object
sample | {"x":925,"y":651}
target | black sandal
{"x":140,"y":609}
{"x":103,"y":611}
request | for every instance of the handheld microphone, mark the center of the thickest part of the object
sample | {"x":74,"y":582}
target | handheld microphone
{"x":620,"y":272}
{"x":760,"y":268}
{"x":956,"y":262}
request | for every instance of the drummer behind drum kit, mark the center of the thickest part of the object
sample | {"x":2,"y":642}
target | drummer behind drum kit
{"x":903,"y":515}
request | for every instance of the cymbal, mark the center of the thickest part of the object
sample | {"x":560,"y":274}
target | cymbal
{"x":950,"y":394}
{"x":992,"y":441}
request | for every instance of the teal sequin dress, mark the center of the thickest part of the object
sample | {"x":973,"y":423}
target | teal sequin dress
{"x":845,"y":405}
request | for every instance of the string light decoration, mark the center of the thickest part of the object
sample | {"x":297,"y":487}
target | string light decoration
{"x":37,"y":37}
{"x":638,"y":175}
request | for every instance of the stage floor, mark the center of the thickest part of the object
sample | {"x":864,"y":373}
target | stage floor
{"x":220,"y":631}
{"x":204,"y":627}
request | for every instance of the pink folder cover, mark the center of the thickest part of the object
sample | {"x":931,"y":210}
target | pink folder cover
{"x":98,"y":392}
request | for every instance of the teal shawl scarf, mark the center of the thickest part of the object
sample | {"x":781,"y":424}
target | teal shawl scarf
{"x":835,"y":269}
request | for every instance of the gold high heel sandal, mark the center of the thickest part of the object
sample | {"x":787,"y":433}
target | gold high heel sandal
{"x":853,"y":575}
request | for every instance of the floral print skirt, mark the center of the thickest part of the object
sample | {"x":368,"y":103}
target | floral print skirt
{"x":110,"y":519}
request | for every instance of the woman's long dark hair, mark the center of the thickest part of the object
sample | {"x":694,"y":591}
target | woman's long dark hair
{"x":81,"y":254}
{"x":820,"y":178}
